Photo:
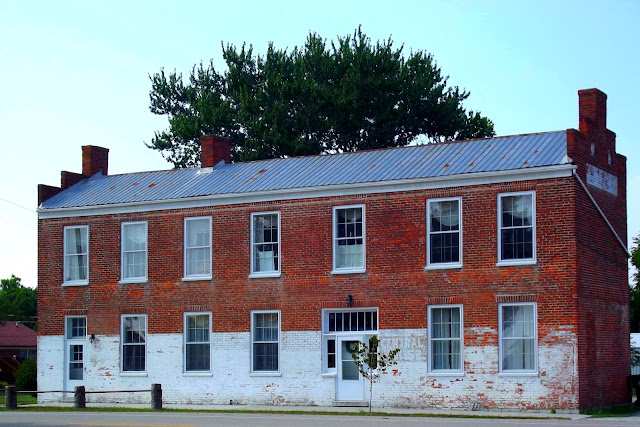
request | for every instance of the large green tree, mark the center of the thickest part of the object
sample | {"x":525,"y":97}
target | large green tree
{"x":17,"y":302}
{"x":346,"y":95}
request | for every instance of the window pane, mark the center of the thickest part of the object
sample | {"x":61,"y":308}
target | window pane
{"x":135,"y":264}
{"x":76,"y":327}
{"x":135,"y":237}
{"x":198,"y":357}
{"x":133,"y":357}
{"x":197,"y":232}
{"x":265,"y":357}
{"x":198,"y":261}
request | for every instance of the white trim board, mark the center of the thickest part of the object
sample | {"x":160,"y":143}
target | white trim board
{"x":460,"y":180}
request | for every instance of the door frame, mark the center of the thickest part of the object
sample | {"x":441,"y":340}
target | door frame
{"x":68,"y":384}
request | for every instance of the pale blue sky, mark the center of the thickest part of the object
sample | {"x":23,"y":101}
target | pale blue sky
{"x":76,"y":73}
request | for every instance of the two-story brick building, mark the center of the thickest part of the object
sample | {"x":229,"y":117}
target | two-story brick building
{"x":498,"y":267}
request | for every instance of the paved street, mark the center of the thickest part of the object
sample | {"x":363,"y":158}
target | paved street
{"x":133,"y":419}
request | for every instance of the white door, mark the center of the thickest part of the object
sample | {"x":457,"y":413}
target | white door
{"x":349,"y":381}
{"x":74,"y":372}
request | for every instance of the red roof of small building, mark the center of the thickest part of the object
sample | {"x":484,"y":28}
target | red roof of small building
{"x":15,"y":334}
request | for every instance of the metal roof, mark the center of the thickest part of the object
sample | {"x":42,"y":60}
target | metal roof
{"x":421,"y":161}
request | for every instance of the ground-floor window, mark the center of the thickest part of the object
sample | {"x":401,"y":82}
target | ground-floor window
{"x":344,"y":322}
{"x":518,"y":337}
{"x":134,"y":342}
{"x":445,"y":338}
{"x":197,"y":342}
{"x":265,"y":341}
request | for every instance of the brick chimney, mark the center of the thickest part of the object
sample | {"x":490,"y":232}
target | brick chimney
{"x":94,"y":159}
{"x":214,"y":149}
{"x":592,"y":111}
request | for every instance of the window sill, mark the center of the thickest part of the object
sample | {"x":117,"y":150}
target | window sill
{"x":195,"y":278}
{"x":443,"y":267}
{"x":328,"y":375}
{"x":349,"y":271}
{"x":265,"y":374}
{"x":510,"y":263}
{"x":133,"y":281}
{"x":518,"y":374}
{"x":133,"y":374}
{"x":76,"y":283}
{"x":446,"y":374}
{"x":263,"y":275}
{"x":197,"y":374}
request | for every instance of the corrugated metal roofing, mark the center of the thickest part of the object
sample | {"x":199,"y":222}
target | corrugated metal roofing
{"x":423,"y":161}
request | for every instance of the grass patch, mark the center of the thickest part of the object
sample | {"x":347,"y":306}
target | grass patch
{"x":23,"y":399}
{"x":613,"y":411}
{"x":278,"y":412}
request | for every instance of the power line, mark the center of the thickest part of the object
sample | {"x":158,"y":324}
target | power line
{"x":15,"y":204}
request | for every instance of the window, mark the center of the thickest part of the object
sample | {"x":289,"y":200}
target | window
{"x":134,"y":251}
{"x":197,"y":248}
{"x":76,"y":255}
{"x":445,"y":338}
{"x":265,"y":341}
{"x":444,"y":229}
{"x":518,"y":337}
{"x":265,"y":244}
{"x":134,"y":343}
{"x":76,"y":327}
{"x":197,"y":342}
{"x":349,"y":239}
{"x":517,"y":229}
{"x":344,"y":322}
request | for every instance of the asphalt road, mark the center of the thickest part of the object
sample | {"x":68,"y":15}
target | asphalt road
{"x":185,"y":419}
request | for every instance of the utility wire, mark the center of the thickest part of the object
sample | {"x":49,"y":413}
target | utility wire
{"x":15,"y":204}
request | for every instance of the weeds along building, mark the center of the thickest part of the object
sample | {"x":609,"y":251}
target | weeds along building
{"x":498,"y":266}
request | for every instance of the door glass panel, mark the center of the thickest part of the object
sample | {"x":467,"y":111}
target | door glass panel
{"x":349,"y":367}
{"x":76,"y":361}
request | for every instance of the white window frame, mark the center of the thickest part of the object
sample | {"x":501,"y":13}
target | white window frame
{"x":430,"y":338}
{"x":520,"y":261}
{"x":122,"y":252}
{"x":266,"y":373}
{"x":66,"y":255}
{"x":333,"y":335}
{"x":122,"y":344}
{"x":185,"y":334}
{"x":254,"y":273}
{"x":533,"y":371}
{"x":334,"y":237}
{"x":66,"y":328}
{"x":443,"y":265}
{"x":207,"y":276}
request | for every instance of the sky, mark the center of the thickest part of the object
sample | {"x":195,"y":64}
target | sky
{"x":77,"y":73}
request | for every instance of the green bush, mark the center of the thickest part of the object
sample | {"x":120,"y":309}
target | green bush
{"x":27,"y":375}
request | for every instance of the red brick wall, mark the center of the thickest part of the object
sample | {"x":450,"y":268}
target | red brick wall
{"x":395,"y":279}
{"x":603,"y":294}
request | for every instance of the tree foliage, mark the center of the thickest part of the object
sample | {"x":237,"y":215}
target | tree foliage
{"x":371,"y":362}
{"x":634,"y":289}
{"x":27,"y":375}
{"x":17,"y":302}
{"x":341,"y":96}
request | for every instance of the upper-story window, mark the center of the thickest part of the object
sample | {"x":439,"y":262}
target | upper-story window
{"x":134,"y":251}
{"x":197,"y":248}
{"x":265,"y":244}
{"x":444,"y":229}
{"x":349,"y":239}
{"x":517,"y":228}
{"x":518,"y":338}
{"x":76,"y":255}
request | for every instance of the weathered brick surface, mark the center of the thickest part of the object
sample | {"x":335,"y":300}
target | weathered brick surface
{"x":579,"y":284}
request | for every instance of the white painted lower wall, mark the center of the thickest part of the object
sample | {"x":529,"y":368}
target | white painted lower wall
{"x":300,"y":382}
